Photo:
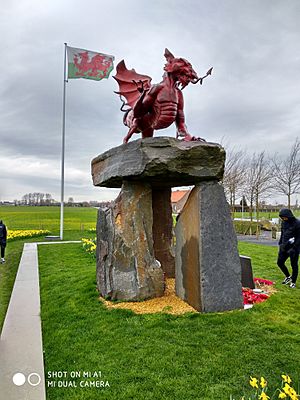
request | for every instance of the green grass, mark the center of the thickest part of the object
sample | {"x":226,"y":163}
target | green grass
{"x":7,"y":275}
{"x":8,"y":272}
{"x":267,"y":215}
{"x":75,"y":219}
{"x":160,"y":356}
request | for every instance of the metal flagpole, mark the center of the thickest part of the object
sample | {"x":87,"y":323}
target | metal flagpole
{"x":63,"y":148}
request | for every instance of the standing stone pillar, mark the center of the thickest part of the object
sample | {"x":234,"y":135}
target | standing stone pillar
{"x":208,"y":269}
{"x":126,"y":265}
{"x":136,"y":231}
{"x":163,"y":230}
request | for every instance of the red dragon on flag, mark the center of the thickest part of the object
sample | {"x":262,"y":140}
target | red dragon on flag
{"x":88,"y":64}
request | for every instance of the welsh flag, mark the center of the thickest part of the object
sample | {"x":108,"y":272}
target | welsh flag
{"x":88,"y":64}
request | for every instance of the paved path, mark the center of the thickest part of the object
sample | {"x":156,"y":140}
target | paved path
{"x":262,"y":240}
{"x":21,"y":347}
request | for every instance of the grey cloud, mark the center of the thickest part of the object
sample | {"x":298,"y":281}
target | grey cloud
{"x":252,"y":97}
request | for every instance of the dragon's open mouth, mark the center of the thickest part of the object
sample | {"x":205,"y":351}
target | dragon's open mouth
{"x":181,"y":85}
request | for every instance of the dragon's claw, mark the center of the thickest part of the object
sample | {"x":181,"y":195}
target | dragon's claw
{"x":139,"y":85}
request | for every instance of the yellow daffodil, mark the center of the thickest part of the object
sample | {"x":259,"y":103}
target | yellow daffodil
{"x":24,"y":234}
{"x":89,"y":245}
{"x":263,"y":396}
{"x":285,"y":392}
{"x":263,"y":382}
{"x":286,"y":388}
{"x":253,"y":382}
{"x":286,"y":378}
{"x":293,"y":394}
{"x":282,"y":395}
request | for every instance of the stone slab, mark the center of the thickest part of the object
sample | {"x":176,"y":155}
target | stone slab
{"x":160,"y":161}
{"x":247,"y":273}
{"x":208,"y":269}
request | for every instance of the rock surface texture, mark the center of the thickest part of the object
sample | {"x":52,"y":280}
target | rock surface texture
{"x":161,"y":161}
{"x":134,"y":236}
{"x":208,"y":269}
{"x":126,"y":266}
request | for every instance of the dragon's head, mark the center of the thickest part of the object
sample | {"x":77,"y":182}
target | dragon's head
{"x":180,"y":69}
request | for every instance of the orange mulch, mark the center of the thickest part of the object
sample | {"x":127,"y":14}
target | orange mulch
{"x":269,"y":289}
{"x":169,"y":303}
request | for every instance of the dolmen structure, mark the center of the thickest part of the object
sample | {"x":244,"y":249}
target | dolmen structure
{"x":135,"y":249}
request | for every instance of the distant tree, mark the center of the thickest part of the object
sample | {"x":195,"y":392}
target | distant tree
{"x":25,"y":199}
{"x":286,"y":172}
{"x":243,"y":202}
{"x":258,"y":183}
{"x":234,"y":175}
{"x":49,"y":199}
{"x":36,"y":199}
{"x":70,"y":201}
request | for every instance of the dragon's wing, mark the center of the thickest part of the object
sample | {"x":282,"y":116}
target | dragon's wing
{"x":126,"y":79}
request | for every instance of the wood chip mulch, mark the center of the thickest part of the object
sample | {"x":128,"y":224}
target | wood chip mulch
{"x":169,"y":303}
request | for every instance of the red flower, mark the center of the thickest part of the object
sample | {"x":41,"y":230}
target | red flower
{"x":250,"y":297}
{"x":263,"y":281}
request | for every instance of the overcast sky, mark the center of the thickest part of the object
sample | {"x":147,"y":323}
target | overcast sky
{"x":252,"y":100}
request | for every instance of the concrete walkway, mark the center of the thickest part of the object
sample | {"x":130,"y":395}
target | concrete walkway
{"x":262,"y":240}
{"x":21,"y":348}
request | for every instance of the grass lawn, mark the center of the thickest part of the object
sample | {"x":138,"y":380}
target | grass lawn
{"x":77,"y":221}
{"x":75,"y":218}
{"x":7,"y":275}
{"x":266,"y":215}
{"x":8,"y":272}
{"x":160,"y":356}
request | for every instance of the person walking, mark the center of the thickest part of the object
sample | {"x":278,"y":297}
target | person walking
{"x":289,"y":246}
{"x":3,"y":236}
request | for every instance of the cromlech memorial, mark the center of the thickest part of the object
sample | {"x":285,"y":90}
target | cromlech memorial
{"x":135,"y":247}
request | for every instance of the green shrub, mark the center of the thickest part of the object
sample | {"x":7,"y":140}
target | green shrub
{"x":246,"y":227}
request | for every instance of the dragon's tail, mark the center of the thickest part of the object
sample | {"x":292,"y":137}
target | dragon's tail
{"x":123,"y":104}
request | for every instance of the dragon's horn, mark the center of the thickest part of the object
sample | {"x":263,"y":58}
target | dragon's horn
{"x":169,"y":56}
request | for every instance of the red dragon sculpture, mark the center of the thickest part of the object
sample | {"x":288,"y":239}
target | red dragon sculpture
{"x":156,"y":106}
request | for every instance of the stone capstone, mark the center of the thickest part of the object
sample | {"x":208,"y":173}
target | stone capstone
{"x":208,"y":269}
{"x":161,"y":161}
{"x":126,"y":265}
{"x":135,"y":234}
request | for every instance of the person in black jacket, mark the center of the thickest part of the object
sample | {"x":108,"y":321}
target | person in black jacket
{"x":3,"y":236}
{"x":289,"y":246}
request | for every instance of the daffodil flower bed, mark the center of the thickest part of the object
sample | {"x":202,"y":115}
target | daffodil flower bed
{"x":89,"y":245}
{"x":25,"y":234}
{"x":286,"y":391}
